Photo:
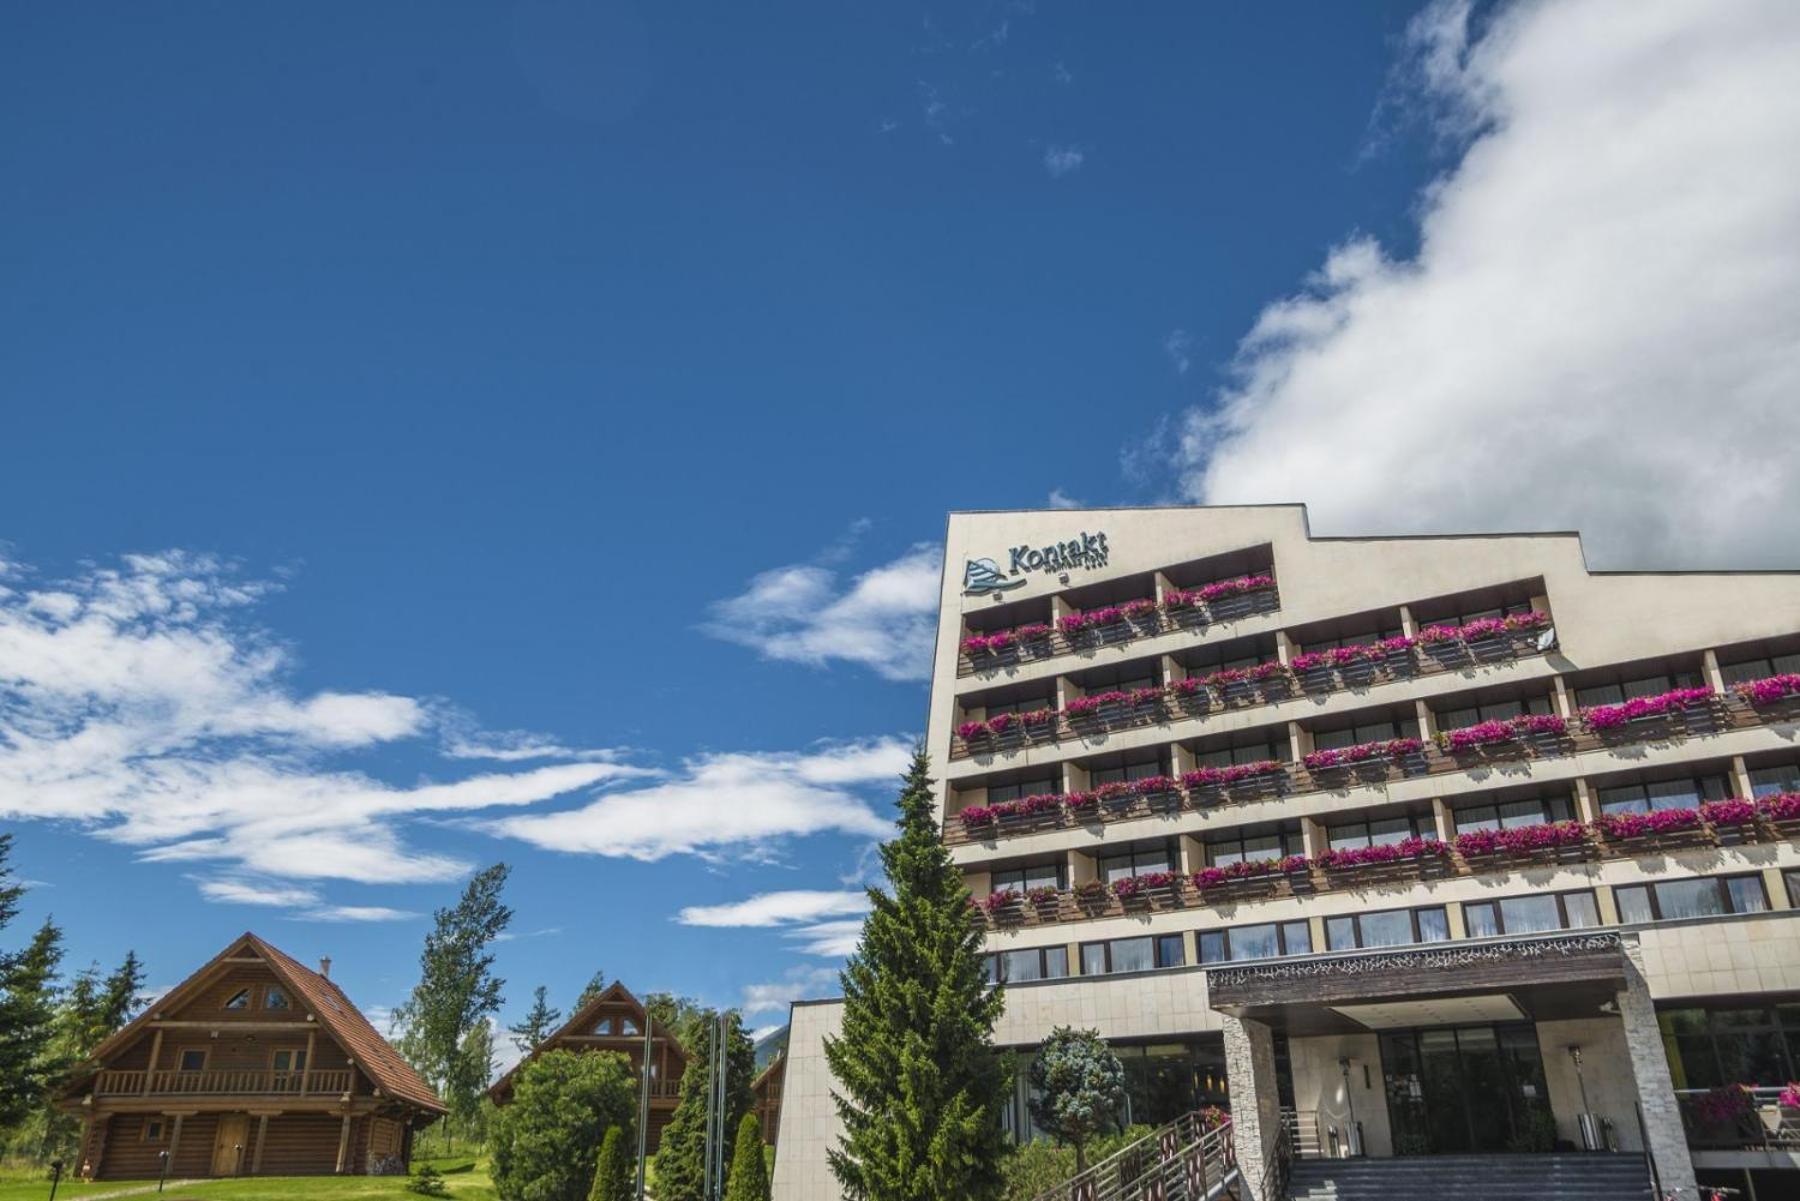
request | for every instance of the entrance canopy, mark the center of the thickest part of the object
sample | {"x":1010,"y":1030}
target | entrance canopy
{"x":1537,"y":977}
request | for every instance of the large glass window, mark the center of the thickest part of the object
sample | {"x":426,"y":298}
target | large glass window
{"x":1257,"y":848}
{"x":1132,"y":955}
{"x":1043,"y":786}
{"x":1759,"y":669}
{"x":1265,"y":941}
{"x":1042,"y":875}
{"x":1766,"y":781}
{"x":1530,"y":914}
{"x":1138,"y":862}
{"x":1701,"y":896}
{"x":1663,"y":794}
{"x":1712,"y":1046}
{"x":1120,"y":775}
{"x":1254,"y":752}
{"x":1469,"y":715}
{"x":1382,"y":832}
{"x":1035,"y":963}
{"x":1374,"y":730}
{"x":1387,"y":928}
{"x":1509,"y":815}
{"x":1625,"y":690}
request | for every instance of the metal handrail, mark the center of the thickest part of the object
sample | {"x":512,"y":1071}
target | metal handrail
{"x":1185,"y":1160}
{"x":1278,"y":1167}
{"x":1057,"y":644}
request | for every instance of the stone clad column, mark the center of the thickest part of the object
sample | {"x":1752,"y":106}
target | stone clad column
{"x":1255,"y":1103}
{"x":1667,"y":1140}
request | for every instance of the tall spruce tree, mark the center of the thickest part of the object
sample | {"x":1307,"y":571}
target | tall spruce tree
{"x":28,"y":1062}
{"x":537,"y":1023}
{"x":595,"y":986}
{"x":681,"y":1157}
{"x":922,"y":1089}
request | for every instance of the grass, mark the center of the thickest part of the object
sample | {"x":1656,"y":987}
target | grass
{"x":466,"y":1178}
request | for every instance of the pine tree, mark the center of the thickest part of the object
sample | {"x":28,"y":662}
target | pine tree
{"x":537,"y":1024}
{"x":28,"y":1025}
{"x":1078,"y":1088}
{"x":120,"y":995}
{"x":749,"y":1179}
{"x":922,"y":1087}
{"x":681,"y":1157}
{"x":614,"y":1174}
{"x":595,"y":986}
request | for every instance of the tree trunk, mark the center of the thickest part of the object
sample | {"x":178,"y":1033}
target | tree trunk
{"x":1080,"y":1158}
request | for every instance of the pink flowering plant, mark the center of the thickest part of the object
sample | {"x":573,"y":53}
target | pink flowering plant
{"x":969,"y":731}
{"x":1733,"y":812}
{"x":1612,"y":717}
{"x":1044,"y":895}
{"x":1521,"y":840}
{"x":1208,"y":777}
{"x":1034,"y":718}
{"x":1790,"y":1097}
{"x":1780,"y":806}
{"x":1648,"y":825}
{"x":1138,"y":610}
{"x":1076,"y":802}
{"x":1393,"y":852}
{"x":1500,"y":731}
{"x":1365,"y":752}
{"x":1725,"y":1105}
{"x":1256,"y":869}
{"x":1154,"y":785}
{"x":1130,"y":887}
{"x":1003,"y":898}
{"x":1139,"y":697}
{"x":1769,"y":690}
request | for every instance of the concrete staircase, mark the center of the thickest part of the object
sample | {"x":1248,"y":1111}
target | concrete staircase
{"x":1590,"y":1177}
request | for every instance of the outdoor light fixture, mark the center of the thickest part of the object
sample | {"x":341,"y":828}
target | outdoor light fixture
{"x":56,"y":1167}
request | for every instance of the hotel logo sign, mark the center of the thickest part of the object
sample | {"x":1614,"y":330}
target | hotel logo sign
{"x":982,"y":577}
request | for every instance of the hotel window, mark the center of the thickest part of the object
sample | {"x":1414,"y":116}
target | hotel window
{"x":1704,"y":896}
{"x":287,"y":1061}
{"x":1380,"y":833}
{"x":1045,"y":786}
{"x":1469,"y":715}
{"x":1029,"y":704}
{"x":1121,"y":775}
{"x":1136,"y":863}
{"x":1663,"y":794}
{"x":1766,"y":781}
{"x":1468,"y":615}
{"x":1616,"y":694}
{"x":1509,"y":815}
{"x":1759,"y":669}
{"x":1531,"y":914}
{"x":1370,"y":731}
{"x":1387,"y":928}
{"x":238,"y":1000}
{"x":1132,"y":955}
{"x":1037,"y":963}
{"x":1207,"y":660}
{"x":191,"y":1061}
{"x":1260,"y":848}
{"x":1366,"y":638}
{"x":274,"y":998}
{"x":1255,"y":752}
{"x":1043,"y":875}
{"x":1267,"y":941}
{"x":1708,"y":1047}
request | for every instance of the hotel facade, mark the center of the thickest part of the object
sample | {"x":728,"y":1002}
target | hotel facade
{"x":1397,"y":846}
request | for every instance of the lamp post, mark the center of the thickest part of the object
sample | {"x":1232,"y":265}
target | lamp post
{"x":56,"y":1167}
{"x":164,"y":1178}
{"x":1352,"y":1140}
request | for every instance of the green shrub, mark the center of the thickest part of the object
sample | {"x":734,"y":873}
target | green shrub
{"x":748,"y":1180}
{"x":428,"y":1182}
{"x":546,"y":1143}
{"x":614,"y":1177}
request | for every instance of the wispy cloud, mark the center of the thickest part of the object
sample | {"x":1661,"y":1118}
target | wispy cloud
{"x":883,"y":618}
{"x":1062,"y":160}
{"x":302,"y":904}
{"x":722,"y":804}
{"x":1597,"y":329}
{"x":799,"y":984}
{"x":776,"y":909}
{"x":833,"y":940}
{"x":1059,"y":499}
{"x":1178,"y":345}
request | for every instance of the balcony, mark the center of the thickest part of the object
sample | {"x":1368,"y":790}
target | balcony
{"x":326,"y":1083}
{"x":1117,"y":625}
{"x":1738,"y":1117}
{"x":1697,"y":714}
{"x":1347,"y":669}
{"x":1720,"y":823}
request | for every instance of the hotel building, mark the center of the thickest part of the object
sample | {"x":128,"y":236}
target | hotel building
{"x":1399,"y":846}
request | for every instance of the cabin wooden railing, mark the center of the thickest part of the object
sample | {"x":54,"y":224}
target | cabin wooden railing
{"x":221,"y":1083}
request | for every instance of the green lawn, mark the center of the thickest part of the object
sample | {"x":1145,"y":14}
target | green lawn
{"x":467,"y":1181}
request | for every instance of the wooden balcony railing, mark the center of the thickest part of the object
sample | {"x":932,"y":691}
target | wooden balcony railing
{"x":1172,"y":706}
{"x":329,"y":1082}
{"x":1716,"y":716}
{"x":1158,"y":621}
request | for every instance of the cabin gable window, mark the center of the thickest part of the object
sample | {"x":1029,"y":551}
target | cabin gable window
{"x":288,"y":1060}
{"x":274,"y":998}
{"x":193,"y":1061}
{"x":238,"y":1000}
{"x":153,"y":1130}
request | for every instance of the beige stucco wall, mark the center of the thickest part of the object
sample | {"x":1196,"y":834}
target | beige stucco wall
{"x":1605,"y":1066}
{"x":1319,"y":1087}
{"x":809,"y":1122}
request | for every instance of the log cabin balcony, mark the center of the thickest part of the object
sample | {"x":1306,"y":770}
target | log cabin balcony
{"x":326,"y":1082}
{"x":1678,"y":715}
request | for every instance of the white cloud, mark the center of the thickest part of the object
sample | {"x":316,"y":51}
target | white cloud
{"x":303,"y":904}
{"x":1598,"y":329}
{"x":833,"y":940}
{"x":1062,"y":500}
{"x":139,"y":702}
{"x":722,"y":801}
{"x":1179,"y":346}
{"x":883,"y":619}
{"x":1063,"y":160}
{"x":776,"y":909}
{"x":799,"y":984}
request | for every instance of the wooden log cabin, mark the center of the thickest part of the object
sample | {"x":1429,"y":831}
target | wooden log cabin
{"x":614,"y":1020}
{"x":765,"y":1096}
{"x":253,"y":1066}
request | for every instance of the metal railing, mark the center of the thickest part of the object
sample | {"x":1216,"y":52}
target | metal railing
{"x":1714,"y":1120}
{"x":1057,"y":643}
{"x":219,"y":1083}
{"x":1279,"y":1166}
{"x":1190,"y":1159}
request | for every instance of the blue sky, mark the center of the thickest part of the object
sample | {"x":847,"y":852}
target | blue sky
{"x":439,"y":433}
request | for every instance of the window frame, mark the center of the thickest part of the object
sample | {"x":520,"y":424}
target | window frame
{"x":1722,"y":883}
{"x":155,"y":1129}
{"x":994,"y":967}
{"x":1562,"y":912}
{"x":1412,"y":913}
{"x":296,"y":1060}
{"x":1281,"y":941}
{"x":276,"y":1000}
{"x":1105,"y":946}
{"x":181,"y":1057}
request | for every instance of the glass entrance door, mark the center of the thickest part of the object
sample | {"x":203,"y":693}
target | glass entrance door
{"x":1460,"y":1089}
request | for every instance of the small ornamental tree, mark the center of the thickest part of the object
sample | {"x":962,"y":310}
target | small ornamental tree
{"x":1078,"y":1088}
{"x":921,"y":1089}
{"x":613,"y":1175}
{"x":749,"y":1178}
{"x":546,"y":1143}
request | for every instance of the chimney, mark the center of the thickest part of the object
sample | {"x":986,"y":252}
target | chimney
{"x":325,"y":967}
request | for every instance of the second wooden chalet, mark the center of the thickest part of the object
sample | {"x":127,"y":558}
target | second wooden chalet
{"x":253,"y":1065}
{"x":614,"y":1020}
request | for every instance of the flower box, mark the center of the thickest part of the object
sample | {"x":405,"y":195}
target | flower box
{"x":1148,"y":889}
{"x":1092,"y":895}
{"x":1517,"y":735}
{"x":1677,"y":706}
{"x":1210,"y":784}
{"x":1656,"y":829}
{"x":1547,"y":842}
{"x":1161,"y":793}
{"x":1782,"y":812}
{"x":1001,"y":906}
{"x":1366,"y":756}
{"x":1733,"y":821}
{"x":1770,"y":690}
{"x":1244,"y":880}
{"x":1409,"y":858}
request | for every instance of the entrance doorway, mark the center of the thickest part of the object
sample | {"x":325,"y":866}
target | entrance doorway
{"x":1462,"y":1089}
{"x":229,"y":1143}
